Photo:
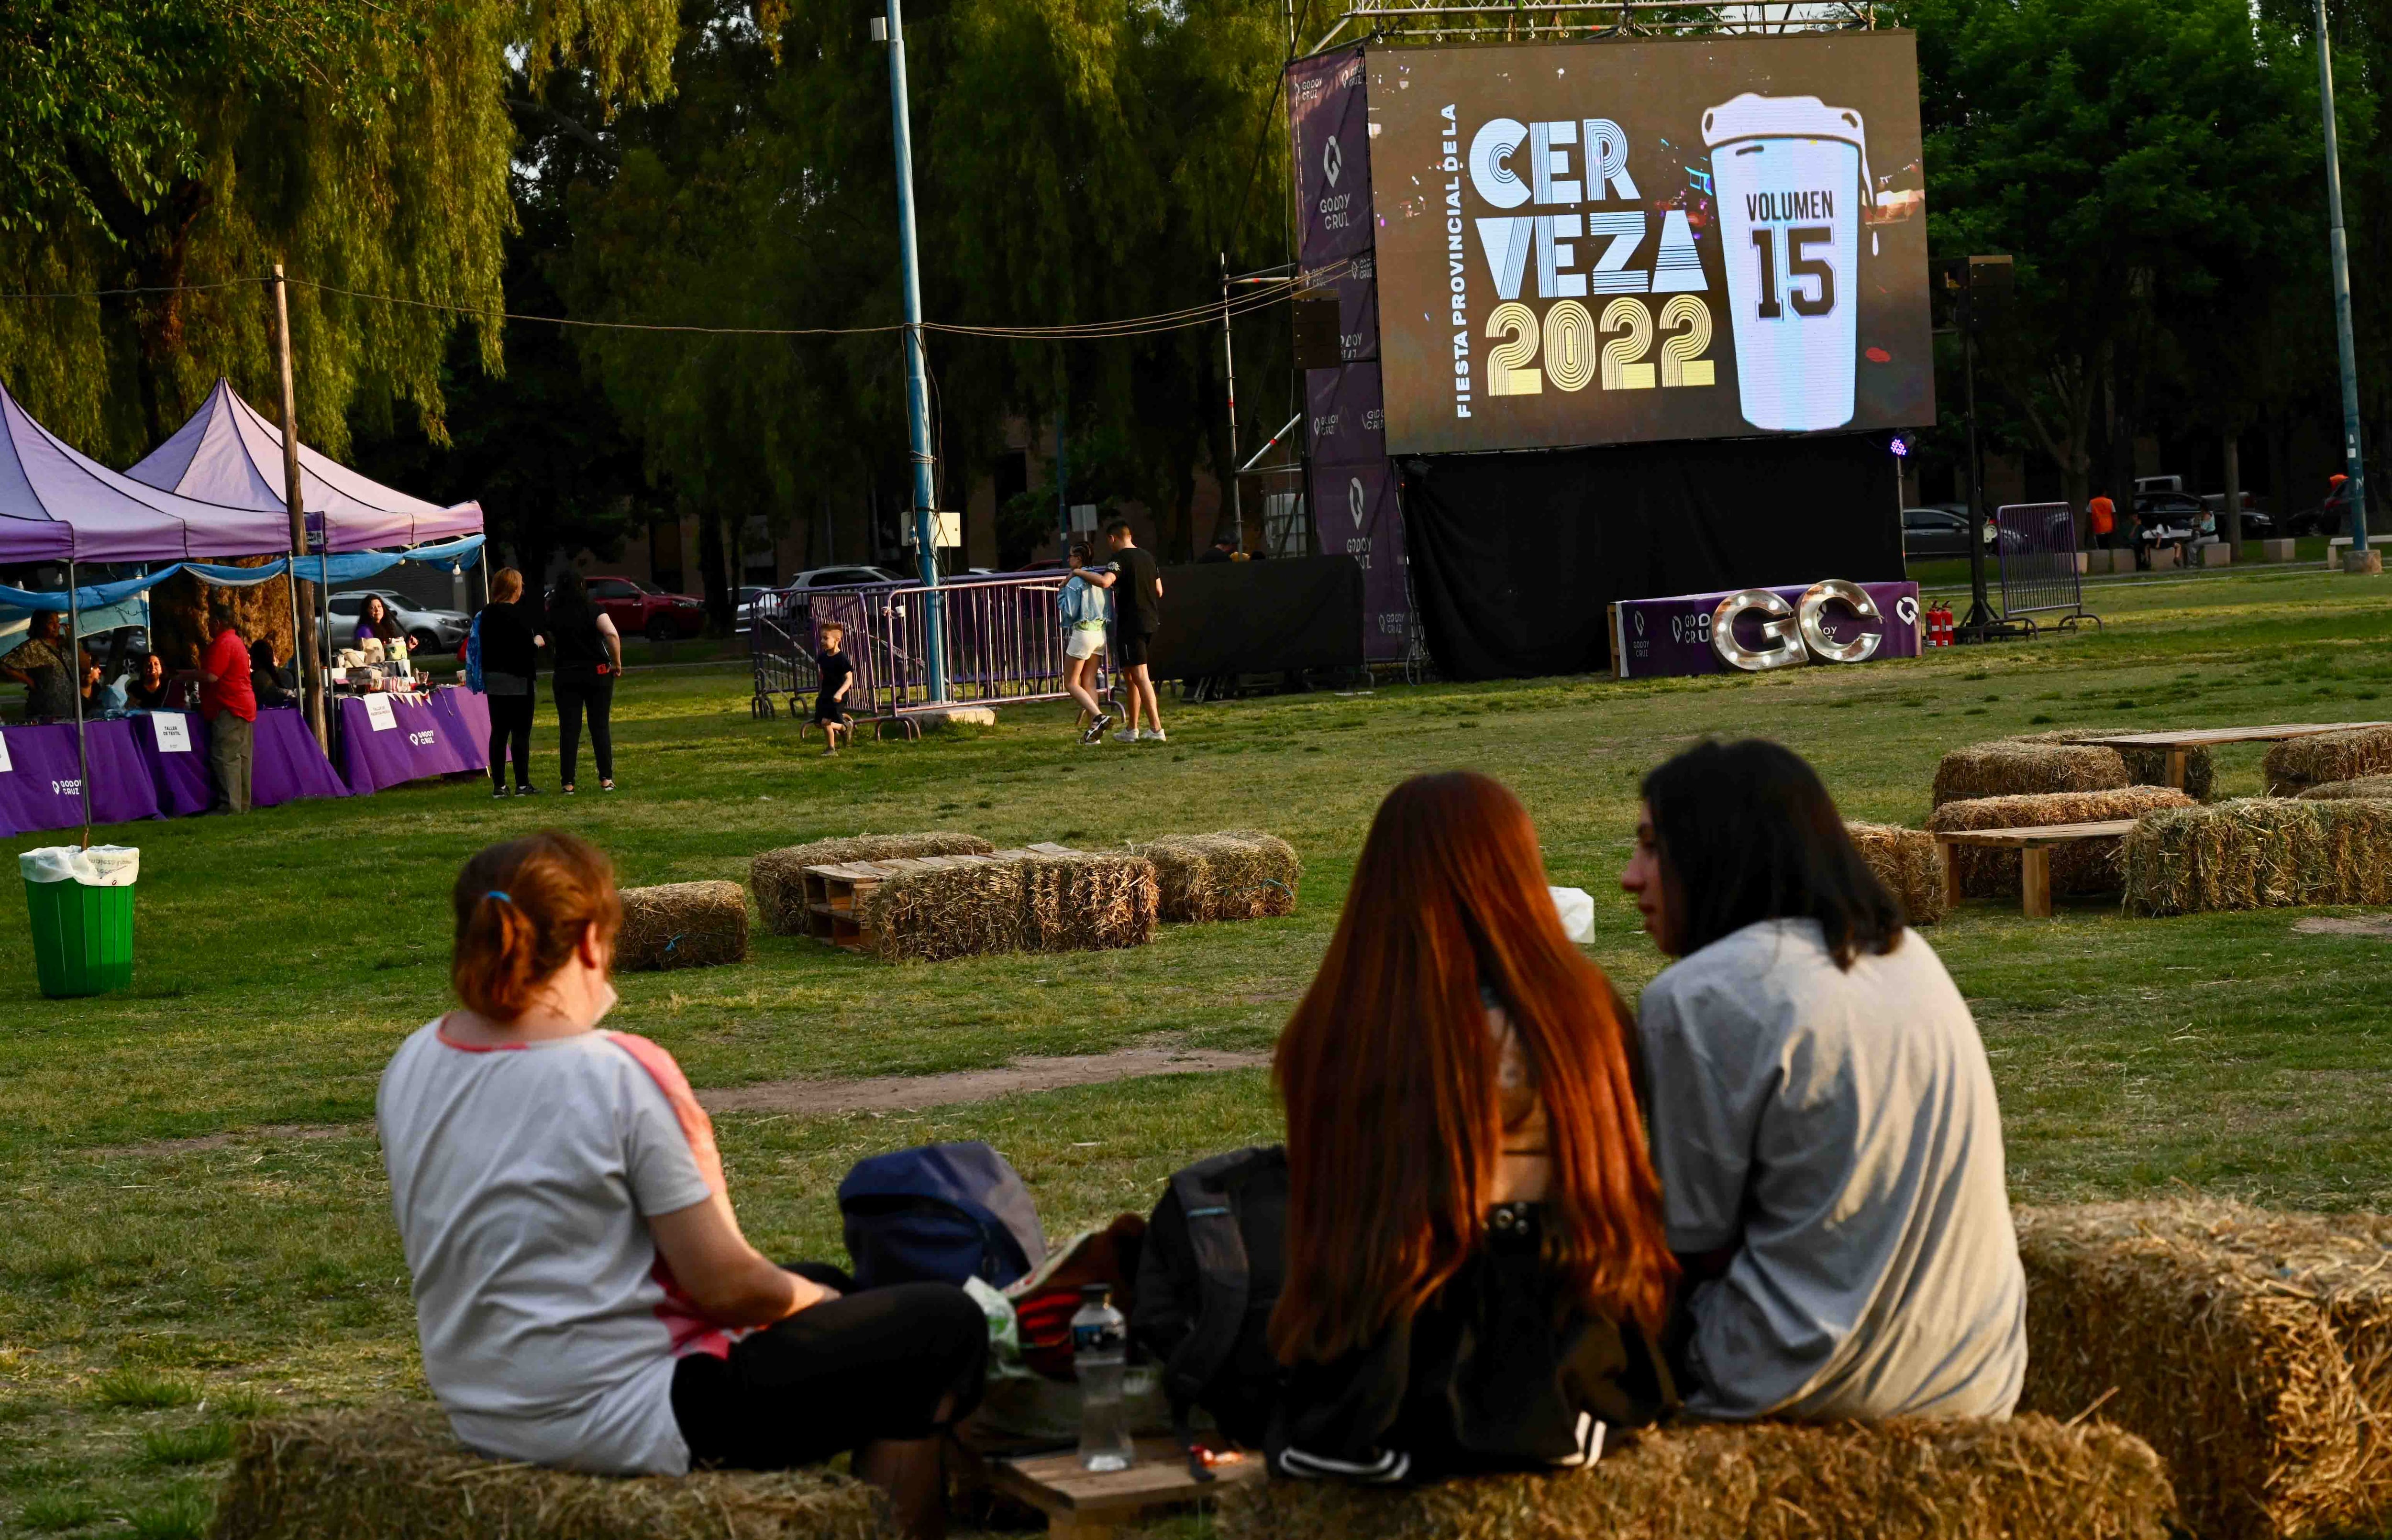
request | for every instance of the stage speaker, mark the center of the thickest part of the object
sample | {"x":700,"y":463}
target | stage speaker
{"x":1318,"y":344}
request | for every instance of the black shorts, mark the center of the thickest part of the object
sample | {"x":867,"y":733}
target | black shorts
{"x":835,"y":1377}
{"x":829,"y":710}
{"x":1129,"y":649}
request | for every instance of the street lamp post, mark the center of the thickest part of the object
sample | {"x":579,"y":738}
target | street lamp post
{"x":2354,"y":463}
{"x":917,"y":395}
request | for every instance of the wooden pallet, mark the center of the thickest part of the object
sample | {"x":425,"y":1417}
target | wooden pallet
{"x":836,"y":893}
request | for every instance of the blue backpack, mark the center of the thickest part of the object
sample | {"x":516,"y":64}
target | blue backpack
{"x":474,"y":658}
{"x":939,"y":1213}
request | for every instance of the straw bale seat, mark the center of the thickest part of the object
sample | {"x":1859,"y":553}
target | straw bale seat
{"x":1081,"y":902}
{"x":683,"y":925}
{"x":398,"y":1473}
{"x":1896,"y":1481}
{"x":2296,"y":764}
{"x":2366,"y":788}
{"x":2086,"y":866}
{"x":777,"y":877}
{"x":2260,"y":853}
{"x":1907,"y":863}
{"x":2253,"y":1349}
{"x":930,"y":909}
{"x":2009,"y":768}
{"x":2147,"y":764}
{"x":1235,"y":874}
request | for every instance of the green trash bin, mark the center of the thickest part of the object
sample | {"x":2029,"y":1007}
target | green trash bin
{"x":81,"y":905}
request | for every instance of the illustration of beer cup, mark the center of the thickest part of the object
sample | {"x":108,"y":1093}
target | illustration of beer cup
{"x":1791,"y":175}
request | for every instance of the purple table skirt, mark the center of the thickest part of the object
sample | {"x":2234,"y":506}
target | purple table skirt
{"x":42,"y":788}
{"x":287,"y":765}
{"x":181,"y":779}
{"x":426,"y":737}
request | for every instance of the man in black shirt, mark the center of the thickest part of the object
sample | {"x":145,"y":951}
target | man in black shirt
{"x":1138,"y":614}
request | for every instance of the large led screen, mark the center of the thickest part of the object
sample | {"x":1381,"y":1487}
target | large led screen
{"x":1606,"y":242}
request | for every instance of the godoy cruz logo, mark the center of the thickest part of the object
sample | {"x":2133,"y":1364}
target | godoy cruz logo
{"x":1356,"y":500}
{"x":1333,"y":159}
{"x":1793,"y":634}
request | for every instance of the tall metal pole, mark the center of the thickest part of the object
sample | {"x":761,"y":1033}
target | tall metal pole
{"x":917,"y":396}
{"x":302,"y":640}
{"x":2354,"y":465}
{"x":74,"y":654}
{"x":1229,"y":371}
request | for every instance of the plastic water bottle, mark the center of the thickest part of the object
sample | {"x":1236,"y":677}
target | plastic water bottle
{"x":1099,"y":1354}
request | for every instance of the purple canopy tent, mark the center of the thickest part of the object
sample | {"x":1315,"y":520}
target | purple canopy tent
{"x":58,"y":505}
{"x":228,"y":454}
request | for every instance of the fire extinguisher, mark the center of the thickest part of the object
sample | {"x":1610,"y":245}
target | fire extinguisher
{"x":1939,"y":624}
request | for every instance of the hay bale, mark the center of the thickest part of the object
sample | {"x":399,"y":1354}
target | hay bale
{"x":2146,"y":766}
{"x":2368,"y":789}
{"x":2297,"y":764}
{"x":1078,"y":902}
{"x":2253,"y":1349}
{"x":930,"y":909}
{"x":1907,"y":863}
{"x":683,"y":925}
{"x":2007,"y":767}
{"x":398,"y":1473}
{"x":2260,"y":853}
{"x":777,"y":877}
{"x":1236,"y":874}
{"x":2081,"y":866}
{"x":1770,"y":1480}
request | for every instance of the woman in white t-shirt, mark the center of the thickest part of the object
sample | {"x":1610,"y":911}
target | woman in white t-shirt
{"x":1821,"y":1111}
{"x":583,"y":1294}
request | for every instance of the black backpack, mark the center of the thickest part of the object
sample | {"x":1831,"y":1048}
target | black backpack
{"x":1208,"y":1276}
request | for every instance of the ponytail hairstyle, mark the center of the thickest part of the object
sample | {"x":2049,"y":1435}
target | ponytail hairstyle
{"x":522,"y":907}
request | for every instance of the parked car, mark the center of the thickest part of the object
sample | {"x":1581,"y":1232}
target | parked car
{"x":643,"y":609}
{"x":431,"y":631}
{"x":844,"y":578}
{"x":1934,"y":532}
{"x":744,"y":609}
{"x":2145,"y":485}
{"x":2257,"y":524}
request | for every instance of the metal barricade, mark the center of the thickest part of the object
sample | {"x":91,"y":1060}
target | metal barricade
{"x":1003,"y":645}
{"x":2035,"y":544}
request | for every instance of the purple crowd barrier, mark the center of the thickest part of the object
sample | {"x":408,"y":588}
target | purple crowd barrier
{"x":2037,"y":546}
{"x":1002,"y":645}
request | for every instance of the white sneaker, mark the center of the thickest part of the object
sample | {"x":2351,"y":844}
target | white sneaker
{"x":1151,"y":735}
{"x":1127,"y":735}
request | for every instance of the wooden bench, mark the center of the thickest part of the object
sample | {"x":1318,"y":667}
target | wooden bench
{"x":1086,"y":1504}
{"x":2034,"y":844}
{"x":2178,"y":743}
{"x":835,"y":893}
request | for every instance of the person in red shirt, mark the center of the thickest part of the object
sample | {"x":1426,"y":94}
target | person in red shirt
{"x":2104,"y":515}
{"x":229,"y":704}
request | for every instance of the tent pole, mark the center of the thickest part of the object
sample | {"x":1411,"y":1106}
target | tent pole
{"x":74,"y":652}
{"x":294,"y":499}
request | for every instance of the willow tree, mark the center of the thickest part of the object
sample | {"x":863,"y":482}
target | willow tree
{"x":178,"y":148}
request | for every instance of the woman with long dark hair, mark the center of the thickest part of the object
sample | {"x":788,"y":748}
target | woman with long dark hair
{"x":1823,"y":1115}
{"x":511,"y":642}
{"x":586,"y":658}
{"x":1476,"y":1267}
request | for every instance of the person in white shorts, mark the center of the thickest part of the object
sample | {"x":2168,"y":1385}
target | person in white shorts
{"x":1082,"y":607}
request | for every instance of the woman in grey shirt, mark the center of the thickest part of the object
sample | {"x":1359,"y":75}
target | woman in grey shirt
{"x":1821,"y":1115}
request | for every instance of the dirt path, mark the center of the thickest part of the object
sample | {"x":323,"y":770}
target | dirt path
{"x":827,"y":1098}
{"x":912,"y":1092}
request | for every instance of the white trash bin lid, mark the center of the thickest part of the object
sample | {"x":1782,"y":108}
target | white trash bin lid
{"x":102,"y":866}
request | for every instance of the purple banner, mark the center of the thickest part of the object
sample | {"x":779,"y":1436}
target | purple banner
{"x":285,"y":764}
{"x":1355,"y":515}
{"x":415,"y":740}
{"x":42,"y":788}
{"x":1346,"y":419}
{"x":1653,"y":637}
{"x":1358,"y":307}
{"x":1328,"y":131}
{"x":179,"y":775}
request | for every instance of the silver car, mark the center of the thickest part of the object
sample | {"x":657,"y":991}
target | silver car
{"x":432,"y":632}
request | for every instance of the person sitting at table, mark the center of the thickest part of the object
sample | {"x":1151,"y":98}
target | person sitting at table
{"x":150,"y":689}
{"x":101,"y":695}
{"x":273,"y":682}
{"x":39,"y":663}
{"x":376,"y":623}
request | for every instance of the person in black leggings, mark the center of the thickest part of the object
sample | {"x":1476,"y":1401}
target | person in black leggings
{"x":511,"y":642}
{"x":588,"y":656}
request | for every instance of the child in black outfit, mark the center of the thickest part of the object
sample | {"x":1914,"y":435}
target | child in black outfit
{"x":838,"y":674}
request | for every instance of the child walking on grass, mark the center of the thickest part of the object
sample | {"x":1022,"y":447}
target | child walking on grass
{"x":837,"y":675}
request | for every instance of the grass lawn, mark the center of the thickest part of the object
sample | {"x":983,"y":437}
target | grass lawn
{"x":193,"y":1222}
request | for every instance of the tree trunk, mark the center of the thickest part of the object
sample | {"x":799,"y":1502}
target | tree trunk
{"x":178,"y":615}
{"x":710,"y":560}
{"x":2233,"y":509}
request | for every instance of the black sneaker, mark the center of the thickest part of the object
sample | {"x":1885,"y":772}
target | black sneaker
{"x":526,"y":791}
{"x":499,"y":791}
{"x":1096,"y":729}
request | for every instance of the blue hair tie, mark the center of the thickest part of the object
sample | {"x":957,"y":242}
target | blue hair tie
{"x":502,"y":896}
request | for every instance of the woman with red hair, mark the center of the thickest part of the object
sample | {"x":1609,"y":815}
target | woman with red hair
{"x":1477,"y":1272}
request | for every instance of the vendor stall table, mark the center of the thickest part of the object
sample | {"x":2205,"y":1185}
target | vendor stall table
{"x":286,"y":765}
{"x":174,"y":747}
{"x":2178,"y":743}
{"x":388,"y":739}
{"x":41,"y":780}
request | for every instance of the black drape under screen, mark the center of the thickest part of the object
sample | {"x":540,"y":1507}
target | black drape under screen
{"x":1513,"y":556}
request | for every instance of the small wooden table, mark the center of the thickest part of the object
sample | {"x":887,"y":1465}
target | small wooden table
{"x":1082,"y":1505}
{"x":2178,"y":743}
{"x":2034,"y":844}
